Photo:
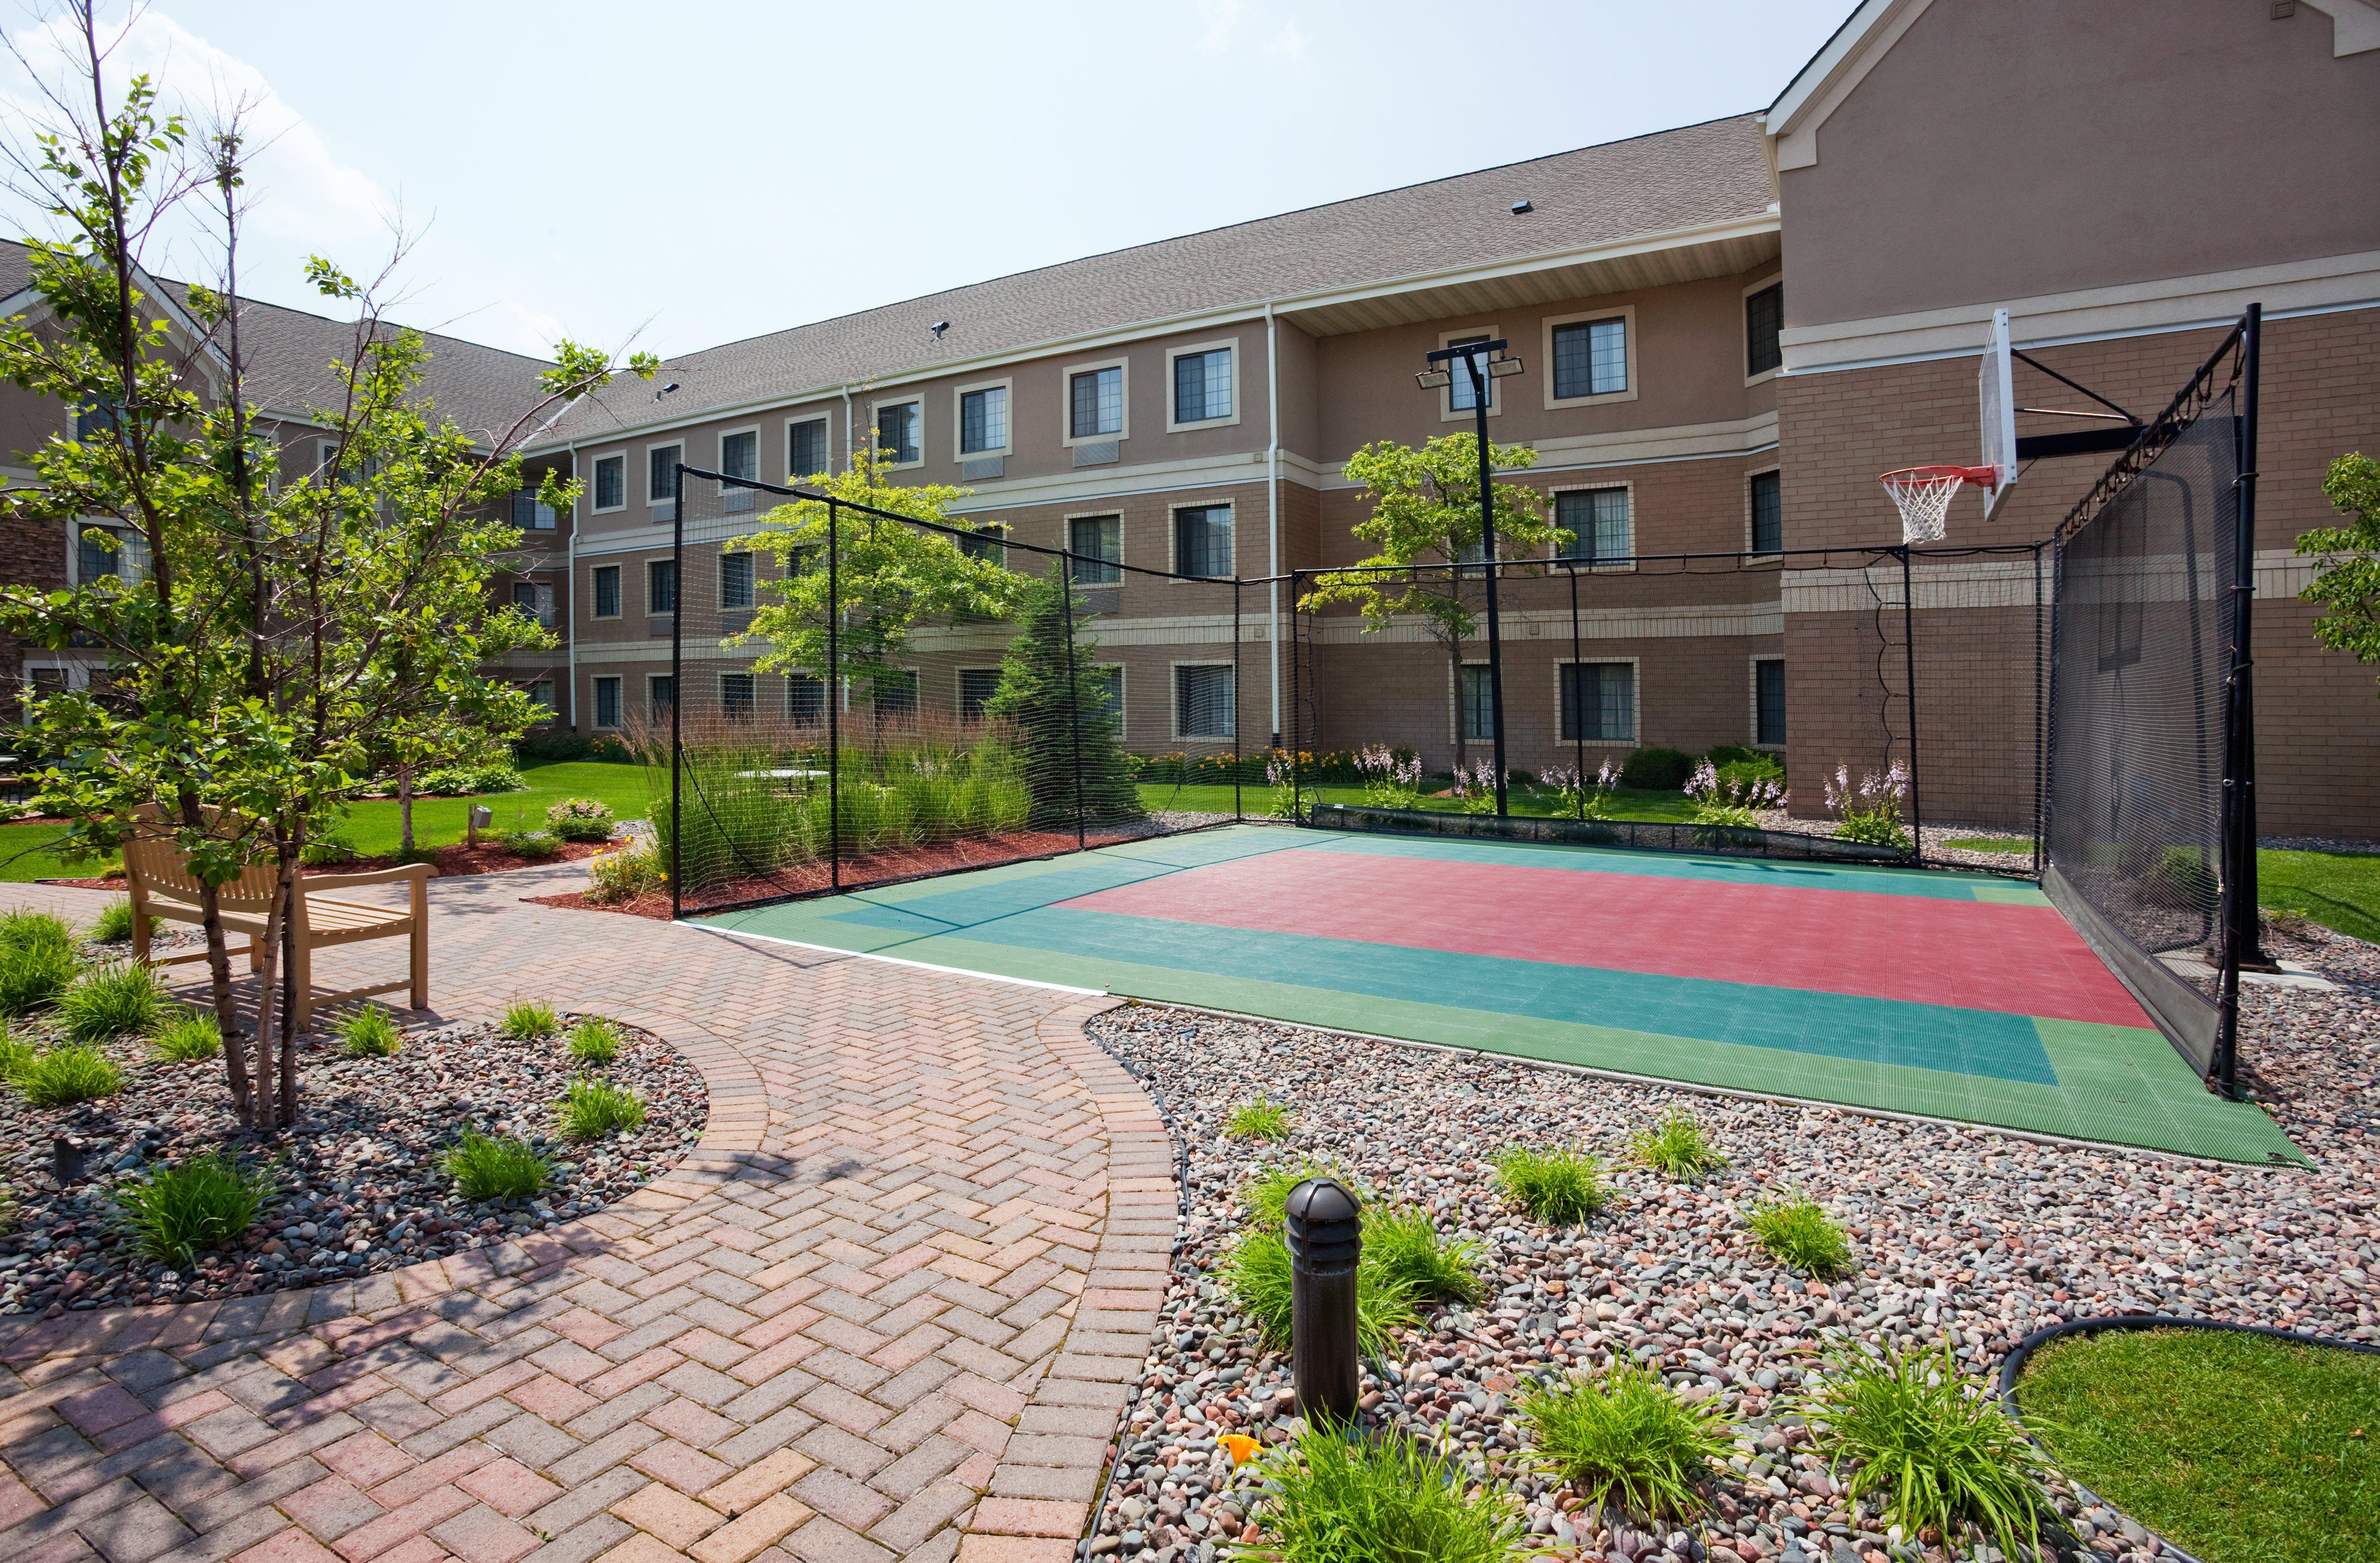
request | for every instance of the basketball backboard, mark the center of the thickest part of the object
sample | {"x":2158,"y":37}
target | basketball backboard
{"x":1995,"y":398}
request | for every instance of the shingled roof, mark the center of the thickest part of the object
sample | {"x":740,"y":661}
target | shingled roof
{"x":1666,"y":182}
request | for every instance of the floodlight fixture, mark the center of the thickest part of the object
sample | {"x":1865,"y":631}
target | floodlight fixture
{"x":1434,"y":379}
{"x":938,"y":328}
{"x":1522,"y":208}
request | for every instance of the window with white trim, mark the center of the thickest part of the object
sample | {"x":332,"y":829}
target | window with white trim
{"x":1478,"y":704}
{"x":534,"y":600}
{"x":1108,"y":677}
{"x":734,"y":580}
{"x":610,"y":482}
{"x":530,"y":513}
{"x":660,"y":695}
{"x":1764,"y":319}
{"x":1599,"y":702}
{"x":121,"y":552}
{"x":1097,"y":543}
{"x":607,"y":702}
{"x":660,"y":585}
{"x":540,"y":693}
{"x":897,"y":433}
{"x":607,"y":592}
{"x":1095,"y":403}
{"x":1202,"y":542}
{"x":1769,"y":701}
{"x":1590,"y":358}
{"x":1203,"y":702}
{"x":736,"y":696}
{"x":1602,"y":528}
{"x":987,"y":542}
{"x":806,"y":450}
{"x":1202,"y":386}
{"x":983,"y":420}
{"x":661,"y":474}
{"x":805,"y":700}
{"x":1459,"y":393}
{"x":1767,"y":501}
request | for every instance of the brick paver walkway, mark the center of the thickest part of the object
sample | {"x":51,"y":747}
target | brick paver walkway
{"x":888,"y":1308}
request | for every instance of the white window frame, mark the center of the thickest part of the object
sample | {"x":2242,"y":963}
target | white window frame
{"x":1553,"y":503}
{"x":1066,"y":540}
{"x":1626,"y":314}
{"x":651,"y":705}
{"x":1006,"y":530}
{"x":619,"y":595}
{"x":1636,"y":704}
{"x":1750,"y":548}
{"x":875,"y":412}
{"x":1743,"y":330}
{"x":529,"y":686}
{"x":1752,"y":675}
{"x":1447,"y":411}
{"x":750,"y":712}
{"x":785,"y":450}
{"x":677,"y":593}
{"x":1173,"y":539}
{"x":1173,"y":700}
{"x":595,"y":702}
{"x":720,"y":572}
{"x":958,"y":686}
{"x":1066,"y":401}
{"x":1239,"y":388}
{"x":664,"y":506}
{"x":959,"y":394}
{"x":595,"y":488}
{"x":727,"y":434}
{"x":1123,"y":682}
{"x":326,"y":454}
{"x":1454,"y":701}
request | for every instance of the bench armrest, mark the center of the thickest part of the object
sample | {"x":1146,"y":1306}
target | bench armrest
{"x":310,"y":883}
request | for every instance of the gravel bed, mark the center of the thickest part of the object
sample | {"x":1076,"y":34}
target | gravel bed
{"x":360,"y":1189}
{"x":1935,"y":841}
{"x":1958,"y":1231}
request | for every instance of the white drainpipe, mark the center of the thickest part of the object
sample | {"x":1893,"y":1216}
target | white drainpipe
{"x":1272,"y":520}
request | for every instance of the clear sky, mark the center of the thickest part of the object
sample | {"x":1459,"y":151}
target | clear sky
{"x":685,"y":175}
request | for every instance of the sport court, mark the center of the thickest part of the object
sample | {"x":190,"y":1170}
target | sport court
{"x":1957,"y":996}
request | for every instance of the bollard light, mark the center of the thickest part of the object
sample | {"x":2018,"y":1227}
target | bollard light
{"x":480,"y":818}
{"x":1325,"y":1231}
{"x":66,"y":1159}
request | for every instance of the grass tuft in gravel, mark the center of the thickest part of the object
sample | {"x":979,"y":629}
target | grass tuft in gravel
{"x":33,"y":978}
{"x":592,"y":1109}
{"x":14,"y":1054}
{"x":1933,"y":1446}
{"x":1560,"y":1187}
{"x":113,"y":923}
{"x":595,"y":1041}
{"x":495,"y":1167}
{"x":1407,"y":1250}
{"x":1267,"y":1193}
{"x":526,"y":1020}
{"x":369,"y":1033}
{"x":188,"y":1037}
{"x":1262,"y":1119}
{"x":26,"y":930}
{"x":203,"y":1203}
{"x":123,"y":998}
{"x":1333,"y":1500}
{"x":1797,"y":1231}
{"x":65,"y":1075}
{"x":1625,"y":1439}
{"x":1679,"y":1147}
{"x":1255,"y":1272}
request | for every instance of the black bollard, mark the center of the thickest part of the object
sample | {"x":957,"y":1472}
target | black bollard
{"x":65,"y":1160}
{"x":1326,"y":1243}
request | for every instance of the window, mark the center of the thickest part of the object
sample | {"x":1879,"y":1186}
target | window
{"x":1459,"y":391}
{"x":660,"y":585}
{"x":662,"y":688}
{"x":1202,"y":386}
{"x":531,"y":515}
{"x":1599,"y":702}
{"x":94,"y":419}
{"x":1097,"y":542}
{"x":1202,"y":542}
{"x":896,"y":433}
{"x":535,"y":600}
{"x":610,"y":482}
{"x":607,"y":592}
{"x":1598,"y":522}
{"x":607,"y":702}
{"x":988,"y":543}
{"x":1203,"y":706}
{"x":540,"y":693}
{"x":660,"y":475}
{"x":1763,"y":317}
{"x":805,"y":700}
{"x":1768,"y":512}
{"x":1479,"y":705}
{"x":110,"y":552}
{"x":895,"y":692}
{"x":1769,"y":701}
{"x":983,"y":420}
{"x":739,"y":454}
{"x":805,"y":449}
{"x":1110,"y":680}
{"x":734,"y":580}
{"x":1095,"y":403}
{"x":1590,"y":358}
{"x":735,"y":694}
{"x":977,"y":686}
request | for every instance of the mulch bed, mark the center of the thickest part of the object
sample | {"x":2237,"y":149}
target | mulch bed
{"x":360,"y":1186}
{"x":488,"y":858}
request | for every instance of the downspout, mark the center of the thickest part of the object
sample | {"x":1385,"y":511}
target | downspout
{"x":570,"y":593}
{"x":848,"y":447}
{"x":1272,"y":519}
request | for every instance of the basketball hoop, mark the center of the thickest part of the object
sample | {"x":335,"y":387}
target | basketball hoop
{"x":1923,"y":495}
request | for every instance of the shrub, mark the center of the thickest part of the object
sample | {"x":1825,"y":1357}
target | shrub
{"x":1796,"y":1231}
{"x":1725,"y":755}
{"x":33,"y":978}
{"x":494,"y":776}
{"x":1677,"y":1148}
{"x":1255,"y":1272}
{"x":1658,"y":770}
{"x":1932,"y":1446}
{"x":1407,"y":1251}
{"x":124,"y":1000}
{"x":580,"y":819}
{"x":1559,"y":1187}
{"x":175,"y":1211}
{"x":26,"y":930}
{"x":63,"y":1077}
{"x":188,"y":1037}
{"x":494,"y":1167}
{"x":333,"y":847}
{"x":369,"y":1033}
{"x":113,"y":923}
{"x":1625,"y":1440}
{"x":1329,"y":1498}
{"x":1268,"y":1191}
{"x":419,"y":852}
{"x":625,"y":873}
{"x":1742,"y":780}
{"x":531,"y":843}
{"x":525,"y":1020}
{"x":595,"y":1041}
{"x":14,"y":1056}
{"x":592,"y":1109}
{"x":1265,"y":1119}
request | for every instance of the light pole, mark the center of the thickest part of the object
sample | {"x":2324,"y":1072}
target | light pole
{"x":1483,"y":362}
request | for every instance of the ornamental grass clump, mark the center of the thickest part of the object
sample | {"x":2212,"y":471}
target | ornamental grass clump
{"x":1406,"y":1250}
{"x":1255,"y":1272}
{"x":1677,"y":1147}
{"x":202,"y":1203}
{"x":1267,"y":1194}
{"x":1263,"y":1119}
{"x":595,"y":1041}
{"x":63,"y":1077}
{"x":120,"y":999}
{"x":526,"y":1020}
{"x":1797,"y":1231}
{"x":33,"y":979}
{"x":1625,"y":1440}
{"x":1560,"y":1187}
{"x":188,"y":1037}
{"x":369,"y":1033}
{"x":27,"y":930}
{"x":489,"y":1167}
{"x":1328,"y":1498}
{"x":592,"y":1109}
{"x":113,"y":923}
{"x":1931,"y":1446}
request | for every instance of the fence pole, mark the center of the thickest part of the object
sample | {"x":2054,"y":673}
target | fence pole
{"x":1075,"y":692}
{"x":1577,"y":713}
{"x":2040,"y":729}
{"x":1908,"y":657}
{"x":1237,"y":812}
{"x":677,"y":647}
{"x":2242,"y":937}
{"x":1297,"y":712}
{"x":833,"y":697}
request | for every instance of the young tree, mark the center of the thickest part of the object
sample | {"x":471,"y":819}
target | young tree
{"x":2350,"y":581}
{"x":1063,"y":725}
{"x":1426,"y":512}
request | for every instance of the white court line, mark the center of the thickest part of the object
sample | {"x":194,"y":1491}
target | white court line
{"x":898,"y":961}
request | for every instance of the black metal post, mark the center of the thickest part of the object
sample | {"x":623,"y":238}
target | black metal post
{"x":1297,"y":712}
{"x":677,"y":656}
{"x":1325,"y":1232}
{"x":1480,"y":380}
{"x":1236,"y":760}
{"x":1909,"y":659}
{"x":1075,"y":693}
{"x":1577,"y":712}
{"x":834,"y":698}
{"x":2242,"y":940}
{"x":66,"y":1159}
{"x":2040,"y":728}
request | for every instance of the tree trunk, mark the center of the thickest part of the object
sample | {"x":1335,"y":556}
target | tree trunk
{"x":404,"y":808}
{"x":219,"y":976}
{"x":1454,"y":661}
{"x":268,"y":990}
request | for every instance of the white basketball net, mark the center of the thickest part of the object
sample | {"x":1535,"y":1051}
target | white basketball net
{"x":1923,"y":495}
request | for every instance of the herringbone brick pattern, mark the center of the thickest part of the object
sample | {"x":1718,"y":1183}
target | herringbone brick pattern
{"x":888,"y":1308}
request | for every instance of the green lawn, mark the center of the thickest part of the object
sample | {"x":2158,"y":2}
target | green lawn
{"x":2240,"y":1448}
{"x":2339,"y":889}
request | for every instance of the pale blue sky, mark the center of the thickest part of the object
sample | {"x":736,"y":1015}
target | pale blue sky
{"x":694,"y":174}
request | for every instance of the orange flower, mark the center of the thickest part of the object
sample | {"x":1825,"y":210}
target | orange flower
{"x":1242,"y":1448}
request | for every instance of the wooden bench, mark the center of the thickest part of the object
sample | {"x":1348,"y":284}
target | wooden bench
{"x":158,"y":873}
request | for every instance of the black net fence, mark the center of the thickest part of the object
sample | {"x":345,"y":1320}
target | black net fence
{"x":858,"y":696}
